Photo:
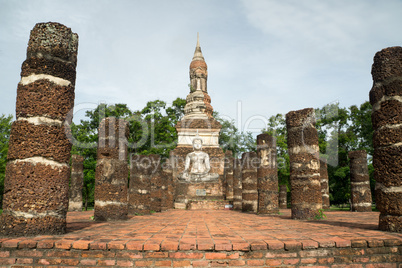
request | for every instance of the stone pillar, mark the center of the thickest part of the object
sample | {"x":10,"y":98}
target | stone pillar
{"x":267,"y":174}
{"x":283,"y":197}
{"x":237,"y":185}
{"x":229,"y":175}
{"x":168,"y":187}
{"x":156,"y":183}
{"x":249,"y":182}
{"x":386,"y":99}
{"x":37,"y":171}
{"x":304,"y":164}
{"x":359,"y":182}
{"x":111,"y":175}
{"x":324,"y":184}
{"x":76,"y":183}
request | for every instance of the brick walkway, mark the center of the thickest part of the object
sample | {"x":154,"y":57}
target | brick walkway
{"x":215,"y":230}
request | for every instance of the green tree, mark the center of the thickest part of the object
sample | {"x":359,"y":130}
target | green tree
{"x":5,"y":129}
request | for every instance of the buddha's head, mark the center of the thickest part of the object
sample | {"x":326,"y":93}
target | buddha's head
{"x":197,"y":143}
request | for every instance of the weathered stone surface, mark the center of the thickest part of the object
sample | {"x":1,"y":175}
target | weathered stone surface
{"x":44,"y":97}
{"x":359,"y":182}
{"x":237,"y":185}
{"x":283,"y":197}
{"x":324,"y":184}
{"x":386,"y":99}
{"x":168,"y":187}
{"x":30,"y":140}
{"x":267,"y":173}
{"x":249,"y":182}
{"x":304,"y":164}
{"x":76,"y":183}
{"x":113,"y":135}
{"x":229,"y":175}
{"x":37,"y":172}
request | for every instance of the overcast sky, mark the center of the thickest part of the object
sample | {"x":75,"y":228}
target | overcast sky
{"x":264,"y":57}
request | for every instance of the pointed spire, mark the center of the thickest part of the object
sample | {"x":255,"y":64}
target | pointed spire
{"x":197,"y":53}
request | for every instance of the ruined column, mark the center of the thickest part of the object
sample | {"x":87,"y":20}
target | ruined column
{"x":168,"y":187}
{"x":386,"y":99}
{"x":304,"y":164}
{"x":237,"y":185}
{"x":324,"y":184}
{"x":111,"y":175}
{"x":283,"y":197}
{"x":37,"y":171}
{"x":249,"y":182}
{"x":76,"y":183}
{"x":229,"y":175}
{"x":359,"y":182}
{"x":267,"y":174}
{"x":140,"y":185}
{"x":156,"y":183}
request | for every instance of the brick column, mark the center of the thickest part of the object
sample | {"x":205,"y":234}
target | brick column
{"x":140,"y":185}
{"x":168,"y":187}
{"x":37,"y":171}
{"x":267,"y":174}
{"x":156,"y":183}
{"x":76,"y":183}
{"x":359,"y":182}
{"x":324,"y":184}
{"x":237,"y":185}
{"x":304,"y":163}
{"x":111,"y":175}
{"x":283,"y":197}
{"x":229,"y":175}
{"x":249,"y":182}
{"x":385,"y":97}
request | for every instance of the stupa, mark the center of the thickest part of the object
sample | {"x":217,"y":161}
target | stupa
{"x":198,"y":128}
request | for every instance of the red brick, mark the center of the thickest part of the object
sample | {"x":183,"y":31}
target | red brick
{"x":97,"y":254}
{"x":291,"y":261}
{"x":375,"y":243}
{"x":4,"y":254}
{"x":206,"y":246}
{"x":61,"y":254}
{"x":218,"y":263}
{"x":255,"y":262}
{"x":156,"y":255}
{"x":325,"y":260}
{"x":185,"y":255}
{"x":63,"y":244}
{"x":181,"y":264}
{"x":381,"y":265}
{"x":187,"y":246}
{"x":27,"y":244}
{"x":253,"y":255}
{"x":24,"y":261}
{"x":392,"y":242}
{"x":88,"y":262}
{"x":200,"y":263}
{"x":167,"y":245}
{"x":275,"y":244}
{"x":281,"y":255}
{"x":308,"y":260}
{"x":163,"y":263}
{"x":309,"y":244}
{"x":342,"y":243}
{"x":45,"y":244}
{"x":143,"y":263}
{"x":273,"y":262}
{"x":293,"y":245}
{"x":97,"y":245}
{"x":215,"y":256}
{"x":12,"y":243}
{"x":241,"y":246}
{"x":358,"y":243}
{"x":225,"y":247}
{"x":151,"y":246}
{"x":236,"y":263}
{"x":81,"y":244}
{"x":121,"y":263}
{"x":325,"y":243}
{"x":106,"y":262}
{"x":135,"y":245}
{"x":7,"y":261}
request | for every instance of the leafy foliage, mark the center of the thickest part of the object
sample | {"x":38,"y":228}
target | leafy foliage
{"x":5,"y":128}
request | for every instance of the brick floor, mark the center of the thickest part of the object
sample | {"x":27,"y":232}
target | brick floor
{"x":220,"y":230}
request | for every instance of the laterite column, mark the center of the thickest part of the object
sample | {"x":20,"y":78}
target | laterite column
{"x":140,"y":185}
{"x":76,"y":183}
{"x":324,"y":184}
{"x":283,"y":197}
{"x":267,"y":174}
{"x":237,"y":185}
{"x":386,"y":99}
{"x":304,"y":164}
{"x":359,"y":182}
{"x":38,"y":171}
{"x":156,"y":183}
{"x":229,"y":175}
{"x":111,"y":175}
{"x":249,"y":182}
{"x":168,"y":187}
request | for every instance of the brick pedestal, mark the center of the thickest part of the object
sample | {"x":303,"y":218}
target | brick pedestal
{"x":267,"y":173}
{"x":385,"y":97}
{"x":111,"y":176}
{"x":76,"y":183}
{"x":324,"y":184}
{"x":283,"y":197}
{"x":237,"y":185}
{"x":249,"y":182}
{"x":359,"y":182}
{"x":37,"y":171}
{"x":304,"y":164}
{"x":229,"y":175}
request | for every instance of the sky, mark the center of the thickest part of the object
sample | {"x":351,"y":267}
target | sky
{"x":264,"y":57}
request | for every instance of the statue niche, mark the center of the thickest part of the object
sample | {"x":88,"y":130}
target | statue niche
{"x":200,"y":166}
